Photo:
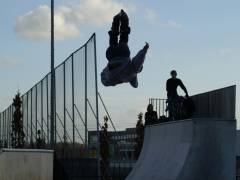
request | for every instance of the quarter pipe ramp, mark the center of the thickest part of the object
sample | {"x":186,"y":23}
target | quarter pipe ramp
{"x":194,"y":149}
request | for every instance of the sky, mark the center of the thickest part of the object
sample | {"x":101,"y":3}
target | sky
{"x":200,"y":39}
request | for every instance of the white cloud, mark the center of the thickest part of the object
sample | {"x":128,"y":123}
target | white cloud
{"x":225,"y":51}
{"x":172,"y":24}
{"x":35,"y":25}
{"x":7,"y":62}
{"x":152,"y":17}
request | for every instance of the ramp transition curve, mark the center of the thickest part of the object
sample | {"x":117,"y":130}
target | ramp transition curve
{"x":194,"y":149}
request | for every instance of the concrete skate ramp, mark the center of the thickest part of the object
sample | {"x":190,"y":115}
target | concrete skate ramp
{"x":26,"y":164}
{"x":195,"y":149}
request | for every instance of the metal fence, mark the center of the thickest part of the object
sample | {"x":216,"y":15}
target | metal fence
{"x":76,"y":119}
{"x":159,"y":105}
{"x":76,"y":106}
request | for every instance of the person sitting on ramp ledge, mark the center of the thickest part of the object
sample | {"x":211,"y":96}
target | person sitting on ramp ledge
{"x":121,"y":68}
{"x":151,"y":116}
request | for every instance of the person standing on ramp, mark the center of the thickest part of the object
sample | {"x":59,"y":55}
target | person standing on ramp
{"x":121,"y":68}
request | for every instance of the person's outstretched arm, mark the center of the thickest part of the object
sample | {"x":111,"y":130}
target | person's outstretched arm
{"x":138,"y":60}
{"x":183,"y":87}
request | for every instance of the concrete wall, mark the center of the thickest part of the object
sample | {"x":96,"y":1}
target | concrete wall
{"x":219,"y":103}
{"x":26,"y":164}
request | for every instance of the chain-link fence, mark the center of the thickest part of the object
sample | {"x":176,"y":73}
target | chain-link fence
{"x":76,"y":110}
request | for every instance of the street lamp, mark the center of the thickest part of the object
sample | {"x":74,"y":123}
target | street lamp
{"x":53,"y":91}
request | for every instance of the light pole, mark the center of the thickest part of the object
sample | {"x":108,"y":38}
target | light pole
{"x":53,"y":91}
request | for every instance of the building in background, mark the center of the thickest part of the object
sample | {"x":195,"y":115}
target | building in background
{"x":121,"y":145}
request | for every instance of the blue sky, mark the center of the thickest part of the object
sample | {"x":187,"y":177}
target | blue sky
{"x":200,"y":39}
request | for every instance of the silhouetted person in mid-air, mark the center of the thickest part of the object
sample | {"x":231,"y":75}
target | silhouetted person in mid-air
{"x":173,"y":99}
{"x":151,"y":116}
{"x":121,"y":68}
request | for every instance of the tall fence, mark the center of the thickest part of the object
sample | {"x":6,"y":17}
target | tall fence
{"x":76,"y":104}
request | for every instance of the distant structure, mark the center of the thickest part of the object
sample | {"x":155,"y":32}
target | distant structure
{"x":121,"y":143}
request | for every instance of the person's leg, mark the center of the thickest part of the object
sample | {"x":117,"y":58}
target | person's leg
{"x":124,"y":32}
{"x":123,"y":50}
{"x":124,"y":28}
{"x":113,"y":37}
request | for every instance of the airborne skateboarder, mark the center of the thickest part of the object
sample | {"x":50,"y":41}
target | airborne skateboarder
{"x":121,"y":68}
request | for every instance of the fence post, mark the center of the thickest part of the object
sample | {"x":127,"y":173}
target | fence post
{"x":42,"y":109}
{"x":64,"y":103}
{"x":36,"y":125}
{"x":47,"y":110}
{"x":0,"y":130}
{"x":8,"y":122}
{"x":3,"y":129}
{"x":31,"y":140}
{"x":73,"y":102}
{"x":86,"y":122}
{"x":27,"y":138}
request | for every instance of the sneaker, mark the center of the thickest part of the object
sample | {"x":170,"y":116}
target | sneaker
{"x":134,"y":82}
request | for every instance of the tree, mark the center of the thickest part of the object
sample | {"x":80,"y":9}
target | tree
{"x":40,"y":142}
{"x":140,"y":135}
{"x":17,"y":134}
{"x":104,"y":149}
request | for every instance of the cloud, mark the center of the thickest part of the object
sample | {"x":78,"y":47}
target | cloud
{"x":172,"y":24}
{"x":152,"y":17}
{"x":225,"y":51}
{"x":35,"y":24}
{"x":8,"y":62}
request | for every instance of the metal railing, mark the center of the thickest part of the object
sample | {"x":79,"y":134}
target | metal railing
{"x":160,"y":106}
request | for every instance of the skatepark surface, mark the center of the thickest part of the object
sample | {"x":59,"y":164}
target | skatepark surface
{"x":193,"y":149}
